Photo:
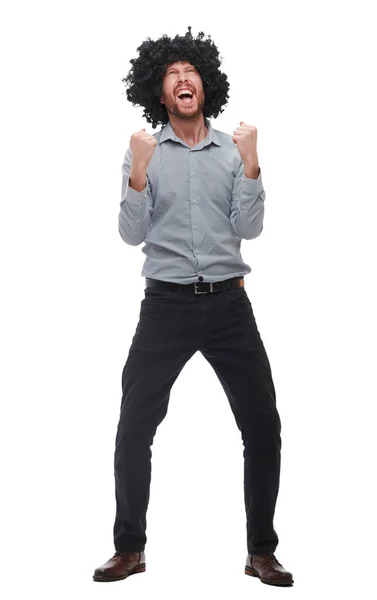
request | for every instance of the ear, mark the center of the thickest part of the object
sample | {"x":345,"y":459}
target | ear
{"x":162,"y":100}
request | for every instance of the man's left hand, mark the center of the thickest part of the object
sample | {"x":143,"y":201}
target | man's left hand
{"x":245,"y":136}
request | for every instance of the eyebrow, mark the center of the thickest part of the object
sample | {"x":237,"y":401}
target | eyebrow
{"x":169,"y":70}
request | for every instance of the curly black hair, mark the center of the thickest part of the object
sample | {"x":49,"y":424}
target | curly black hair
{"x":145,"y":78}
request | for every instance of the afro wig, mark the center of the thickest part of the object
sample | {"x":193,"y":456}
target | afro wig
{"x":145,"y":79}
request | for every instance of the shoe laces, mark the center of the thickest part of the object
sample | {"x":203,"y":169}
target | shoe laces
{"x":120,"y":554}
{"x":266,"y":557}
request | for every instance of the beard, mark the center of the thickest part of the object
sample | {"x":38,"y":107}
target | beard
{"x":175,"y":107}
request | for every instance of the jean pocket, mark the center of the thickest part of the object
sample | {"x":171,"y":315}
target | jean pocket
{"x":159,"y":294}
{"x":238,"y":296}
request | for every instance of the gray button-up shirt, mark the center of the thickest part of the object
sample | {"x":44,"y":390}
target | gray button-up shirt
{"x":194,"y":211}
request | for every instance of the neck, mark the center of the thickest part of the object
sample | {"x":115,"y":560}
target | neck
{"x":191,"y":131}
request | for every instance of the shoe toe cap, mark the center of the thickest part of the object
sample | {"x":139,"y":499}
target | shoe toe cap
{"x":283,"y":576}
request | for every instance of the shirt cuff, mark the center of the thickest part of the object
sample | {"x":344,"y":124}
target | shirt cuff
{"x":253,"y":186}
{"x":136,"y":198}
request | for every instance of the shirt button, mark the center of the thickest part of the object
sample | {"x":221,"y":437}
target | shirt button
{"x":137,"y":221}
{"x":196,"y":251}
{"x":195,"y":227}
{"x":194,"y":201}
{"x":192,"y":174}
{"x":200,"y":272}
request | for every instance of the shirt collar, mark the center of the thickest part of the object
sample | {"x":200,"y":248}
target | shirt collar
{"x":167,"y":133}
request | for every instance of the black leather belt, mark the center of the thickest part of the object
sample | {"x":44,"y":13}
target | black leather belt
{"x":199,"y":287}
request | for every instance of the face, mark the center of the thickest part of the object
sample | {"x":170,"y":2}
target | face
{"x":180,"y":75}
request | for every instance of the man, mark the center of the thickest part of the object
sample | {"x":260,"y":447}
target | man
{"x":191,"y":193}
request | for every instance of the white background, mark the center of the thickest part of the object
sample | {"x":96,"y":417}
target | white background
{"x":303,"y":73}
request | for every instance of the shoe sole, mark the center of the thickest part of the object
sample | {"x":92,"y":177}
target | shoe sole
{"x":281,"y":582}
{"x":137,"y":569}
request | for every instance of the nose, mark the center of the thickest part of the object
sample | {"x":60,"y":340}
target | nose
{"x":181,"y":81}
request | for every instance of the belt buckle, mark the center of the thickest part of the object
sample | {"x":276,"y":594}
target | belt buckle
{"x":196,"y":289}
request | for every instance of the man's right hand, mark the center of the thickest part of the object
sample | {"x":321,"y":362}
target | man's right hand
{"x":142,"y":146}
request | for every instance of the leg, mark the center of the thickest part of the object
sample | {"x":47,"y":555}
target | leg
{"x":156,"y":357}
{"x":238,"y":357}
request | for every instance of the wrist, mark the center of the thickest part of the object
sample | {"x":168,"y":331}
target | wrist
{"x":138,"y":168}
{"x":138,"y":178}
{"x":251,"y":170}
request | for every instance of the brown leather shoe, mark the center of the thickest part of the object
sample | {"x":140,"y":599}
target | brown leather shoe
{"x":120,"y":566}
{"x":268,"y":569}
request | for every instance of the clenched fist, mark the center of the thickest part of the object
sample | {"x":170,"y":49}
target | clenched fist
{"x":142,"y":146}
{"x":245,"y":136}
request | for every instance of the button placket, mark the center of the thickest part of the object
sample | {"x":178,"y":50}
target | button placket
{"x":192,"y":174}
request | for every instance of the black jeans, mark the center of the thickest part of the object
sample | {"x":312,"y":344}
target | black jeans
{"x":173,"y":326}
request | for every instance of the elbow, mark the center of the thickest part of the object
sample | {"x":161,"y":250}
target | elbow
{"x":254,"y":233}
{"x":249,"y":234}
{"x":127,"y":236}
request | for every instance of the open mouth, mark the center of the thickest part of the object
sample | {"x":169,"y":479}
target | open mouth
{"x":186,"y":96}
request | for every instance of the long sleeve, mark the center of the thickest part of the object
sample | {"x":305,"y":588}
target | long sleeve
{"x":247,"y":211}
{"x":135,"y":207}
